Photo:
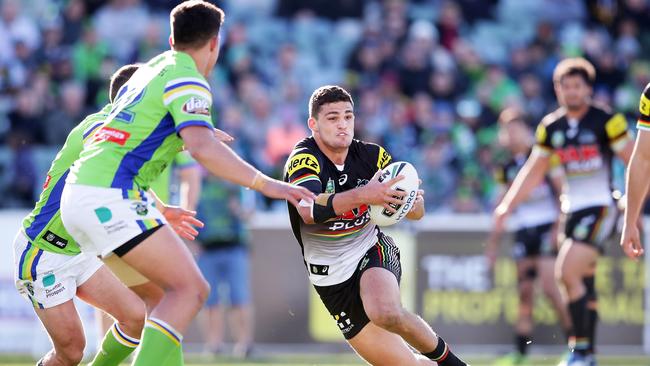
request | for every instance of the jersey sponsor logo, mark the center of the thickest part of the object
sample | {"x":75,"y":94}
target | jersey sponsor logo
{"x":586,"y":137}
{"x":344,"y":322}
{"x":581,"y":159}
{"x":319,"y":269}
{"x":616,"y":126}
{"x":196,"y":105}
{"x":300,"y":161}
{"x":354,"y":213}
{"x":57,"y":289}
{"x":54,"y":239}
{"x":352,"y":220}
{"x":113,"y":135}
{"x":383,"y":159}
{"x":47,"y":181}
{"x":644,"y":105}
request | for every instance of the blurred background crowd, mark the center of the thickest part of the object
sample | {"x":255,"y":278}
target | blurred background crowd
{"x":429,"y":77}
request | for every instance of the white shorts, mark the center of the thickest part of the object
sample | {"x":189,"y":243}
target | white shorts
{"x":49,"y":279}
{"x":122,"y":270}
{"x":103,"y":219}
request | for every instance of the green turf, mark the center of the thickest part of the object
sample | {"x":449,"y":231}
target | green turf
{"x":351,"y":360}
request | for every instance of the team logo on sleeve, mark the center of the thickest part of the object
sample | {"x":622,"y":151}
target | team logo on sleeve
{"x":196,"y":105}
{"x":300,"y":161}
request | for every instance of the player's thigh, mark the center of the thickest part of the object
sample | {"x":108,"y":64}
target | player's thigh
{"x":380,"y":347}
{"x":105,"y":291}
{"x":380,"y":293}
{"x":63,"y":325}
{"x":576,"y":260}
{"x":164,"y":259}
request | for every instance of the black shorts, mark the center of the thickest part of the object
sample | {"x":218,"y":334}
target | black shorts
{"x":534,"y":241}
{"x":591,"y":225}
{"x":343,"y":301}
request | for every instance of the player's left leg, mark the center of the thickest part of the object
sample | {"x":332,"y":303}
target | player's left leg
{"x":380,"y":347}
{"x":526,"y":274}
{"x":546,"y":270}
{"x":381,"y":301}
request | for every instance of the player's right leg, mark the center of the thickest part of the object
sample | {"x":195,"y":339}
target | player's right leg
{"x":127,"y":223}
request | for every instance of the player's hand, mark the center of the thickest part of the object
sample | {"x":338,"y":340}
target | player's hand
{"x":417,"y":210}
{"x":281,"y":190}
{"x":182,"y":221}
{"x":501,"y":213}
{"x":380,"y":193}
{"x":223,"y":136}
{"x":631,"y":242}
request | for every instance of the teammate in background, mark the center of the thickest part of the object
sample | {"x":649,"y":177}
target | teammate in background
{"x":585,"y":137}
{"x":223,"y":259}
{"x":354,"y":267}
{"x":535,"y":238}
{"x":50,"y":269}
{"x":636,"y":182}
{"x":165,"y":105}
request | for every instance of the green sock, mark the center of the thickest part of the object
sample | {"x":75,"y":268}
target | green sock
{"x":159,"y":342}
{"x":116,"y":347}
{"x":176,"y":357}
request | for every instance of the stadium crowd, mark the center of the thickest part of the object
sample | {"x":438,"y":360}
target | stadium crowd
{"x":429,"y":77}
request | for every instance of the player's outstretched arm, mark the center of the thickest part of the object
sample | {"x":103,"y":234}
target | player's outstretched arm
{"x":636,"y":186}
{"x":529,"y":177}
{"x":221,"y":161}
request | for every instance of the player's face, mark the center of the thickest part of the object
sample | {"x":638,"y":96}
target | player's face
{"x":573,"y":92}
{"x":335,"y":125}
{"x":517,"y":136}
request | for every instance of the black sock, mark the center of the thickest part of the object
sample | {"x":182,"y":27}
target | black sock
{"x":521,"y":342}
{"x":443,"y":355}
{"x":580,"y":318}
{"x":592,"y":311}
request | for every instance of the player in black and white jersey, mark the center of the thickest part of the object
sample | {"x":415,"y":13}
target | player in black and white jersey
{"x":535,"y":238}
{"x":585,"y":137}
{"x":354,"y":267}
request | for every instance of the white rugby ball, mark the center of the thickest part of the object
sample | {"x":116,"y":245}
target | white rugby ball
{"x":410,"y":184}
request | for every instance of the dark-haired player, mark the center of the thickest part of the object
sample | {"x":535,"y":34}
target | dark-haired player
{"x":354,"y":267}
{"x":166,"y":105}
{"x":585,"y":137}
{"x":534,"y":249}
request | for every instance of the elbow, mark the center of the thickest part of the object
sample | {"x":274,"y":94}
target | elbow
{"x":198,"y":153}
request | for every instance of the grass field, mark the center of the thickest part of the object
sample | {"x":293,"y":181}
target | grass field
{"x":351,"y":360}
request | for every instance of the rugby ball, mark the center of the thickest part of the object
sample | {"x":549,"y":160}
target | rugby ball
{"x":410,"y":184}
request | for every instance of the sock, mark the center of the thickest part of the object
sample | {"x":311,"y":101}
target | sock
{"x":115,"y":348}
{"x":443,"y":355}
{"x":592,"y":311}
{"x":159,"y":342}
{"x":521,"y":342}
{"x":579,"y":316}
{"x":175,"y":358}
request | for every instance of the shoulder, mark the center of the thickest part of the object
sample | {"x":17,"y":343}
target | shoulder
{"x":371,"y":151}
{"x":601,"y":111}
{"x":553,"y":118}
{"x":305,"y":155}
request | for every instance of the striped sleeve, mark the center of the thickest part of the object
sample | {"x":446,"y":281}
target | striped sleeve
{"x":303,"y":169}
{"x":189,"y":101}
{"x":543,"y":145}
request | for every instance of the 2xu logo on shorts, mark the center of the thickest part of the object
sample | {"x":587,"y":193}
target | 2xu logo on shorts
{"x":344,"y":322}
{"x":140,"y":208}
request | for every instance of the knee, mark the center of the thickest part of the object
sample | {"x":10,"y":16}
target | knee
{"x":71,"y":351}
{"x":131,"y":318}
{"x":389,"y":317}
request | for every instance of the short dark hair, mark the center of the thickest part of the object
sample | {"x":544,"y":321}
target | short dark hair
{"x":325,"y":95}
{"x":576,"y":66}
{"x":193,"y":23}
{"x":119,"y":78}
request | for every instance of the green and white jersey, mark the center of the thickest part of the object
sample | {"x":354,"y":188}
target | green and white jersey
{"x":161,"y":185}
{"x":43,"y":225}
{"x":140,"y":137}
